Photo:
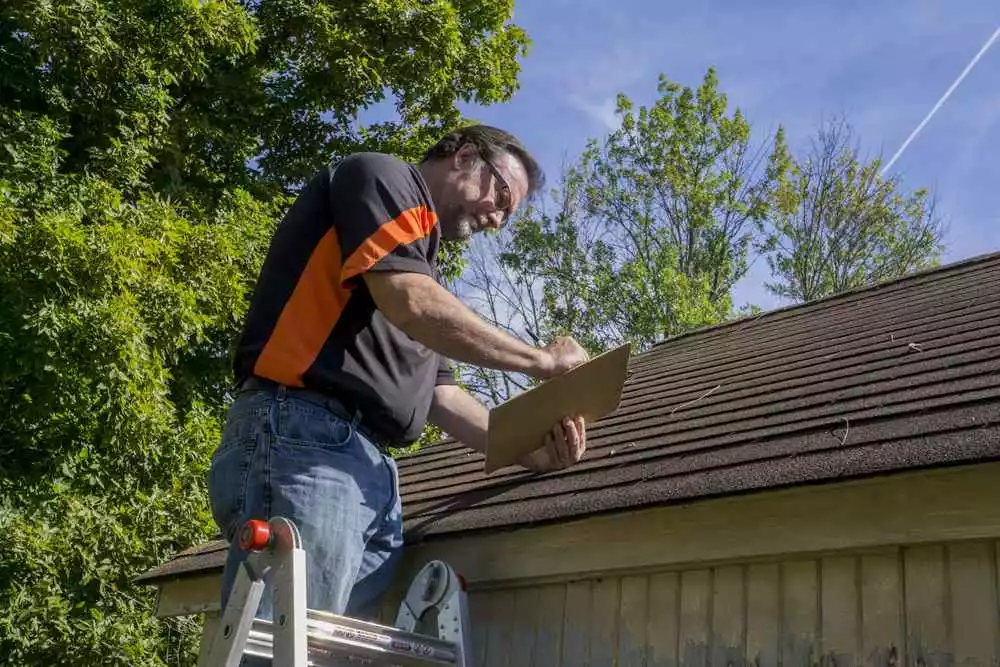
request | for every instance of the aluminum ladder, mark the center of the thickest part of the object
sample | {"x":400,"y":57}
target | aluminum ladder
{"x":302,"y":636}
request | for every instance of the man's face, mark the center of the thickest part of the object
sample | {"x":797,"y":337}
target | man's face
{"x":478,"y":194}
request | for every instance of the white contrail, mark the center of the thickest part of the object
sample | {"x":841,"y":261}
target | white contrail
{"x":947,"y":93}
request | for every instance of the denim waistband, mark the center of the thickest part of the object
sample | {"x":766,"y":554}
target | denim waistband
{"x":327,"y":401}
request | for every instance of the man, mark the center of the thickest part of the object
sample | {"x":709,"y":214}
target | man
{"x":344,"y":353}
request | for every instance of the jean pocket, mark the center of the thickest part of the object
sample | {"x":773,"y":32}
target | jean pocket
{"x":309,"y":425}
{"x":245,"y":419}
{"x":227,"y":483}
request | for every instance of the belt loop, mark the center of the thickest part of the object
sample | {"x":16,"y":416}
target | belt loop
{"x":272,"y":417}
{"x":282,"y":391}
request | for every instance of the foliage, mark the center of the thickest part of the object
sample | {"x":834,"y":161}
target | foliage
{"x":146,"y":150}
{"x":840,"y":225}
{"x":652,"y":228}
{"x":112,"y":374}
{"x":193,"y":91}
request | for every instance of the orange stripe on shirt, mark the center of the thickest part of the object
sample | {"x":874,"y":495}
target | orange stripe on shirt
{"x":308,"y":317}
{"x":410,"y":225}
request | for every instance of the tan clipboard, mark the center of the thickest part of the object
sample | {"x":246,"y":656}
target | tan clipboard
{"x":593,"y":389}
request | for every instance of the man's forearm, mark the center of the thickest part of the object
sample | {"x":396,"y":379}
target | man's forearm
{"x":431,"y":315}
{"x":460,"y":415}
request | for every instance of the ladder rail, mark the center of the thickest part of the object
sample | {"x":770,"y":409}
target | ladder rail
{"x":291,"y":642}
{"x":333,"y":636}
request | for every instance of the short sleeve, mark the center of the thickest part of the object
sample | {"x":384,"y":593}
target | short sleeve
{"x":383,"y":216}
{"x":446,"y":373}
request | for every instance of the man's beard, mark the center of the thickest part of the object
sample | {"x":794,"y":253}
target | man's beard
{"x":463,"y":228}
{"x":458,"y":226}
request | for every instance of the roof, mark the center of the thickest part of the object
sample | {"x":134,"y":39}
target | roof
{"x":199,"y":559}
{"x":894,"y":377}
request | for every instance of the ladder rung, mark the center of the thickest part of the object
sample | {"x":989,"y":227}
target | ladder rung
{"x":333,"y":637}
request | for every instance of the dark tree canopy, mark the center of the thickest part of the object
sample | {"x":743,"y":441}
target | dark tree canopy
{"x":147,"y":148}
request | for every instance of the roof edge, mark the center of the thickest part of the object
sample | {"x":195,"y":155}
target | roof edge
{"x":941,"y":268}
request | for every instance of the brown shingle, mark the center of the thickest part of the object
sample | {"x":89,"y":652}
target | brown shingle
{"x":196,"y":560}
{"x":899,"y":376}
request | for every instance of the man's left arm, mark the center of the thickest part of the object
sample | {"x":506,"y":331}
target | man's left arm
{"x":464,"y":418}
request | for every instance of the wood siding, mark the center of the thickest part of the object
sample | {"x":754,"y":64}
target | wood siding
{"x":927,"y":606}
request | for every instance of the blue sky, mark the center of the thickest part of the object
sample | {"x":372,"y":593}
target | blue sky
{"x":881,"y":64}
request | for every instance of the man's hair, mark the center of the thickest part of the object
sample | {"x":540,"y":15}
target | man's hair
{"x":490,"y":142}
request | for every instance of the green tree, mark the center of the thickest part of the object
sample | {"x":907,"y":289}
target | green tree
{"x":147,"y":149}
{"x":841,"y":225}
{"x":193,"y":97}
{"x":650,"y":230}
{"x":112,"y":368}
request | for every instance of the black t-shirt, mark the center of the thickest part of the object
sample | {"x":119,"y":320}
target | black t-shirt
{"x":312,"y":322}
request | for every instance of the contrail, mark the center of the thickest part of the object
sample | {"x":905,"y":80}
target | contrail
{"x":947,"y":93}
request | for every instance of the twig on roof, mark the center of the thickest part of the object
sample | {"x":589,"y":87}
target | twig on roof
{"x":615,"y":451}
{"x":847,"y":429}
{"x":644,"y":475}
{"x":692,"y":402}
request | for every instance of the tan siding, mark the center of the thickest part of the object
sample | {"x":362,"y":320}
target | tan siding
{"x":839,"y":611}
{"x":728,"y":617}
{"x":973,"y":603}
{"x":524,"y":626}
{"x":882,"y":609}
{"x":192,"y":595}
{"x":481,"y":619}
{"x":918,"y":606}
{"x":499,"y":631}
{"x":927,"y":641}
{"x":633,"y":620}
{"x":549,"y":625}
{"x":664,"y":620}
{"x":576,"y":621}
{"x":604,"y":612}
{"x":763,"y":614}
{"x":799,"y":612}
{"x":696,"y":598}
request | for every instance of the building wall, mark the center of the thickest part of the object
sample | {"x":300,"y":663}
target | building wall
{"x":933,"y":605}
{"x":889,"y":571}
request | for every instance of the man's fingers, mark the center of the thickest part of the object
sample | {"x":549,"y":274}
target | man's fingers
{"x":550,"y":448}
{"x":566,"y":442}
{"x":572,"y":441}
{"x":563,"y":447}
{"x":580,"y":444}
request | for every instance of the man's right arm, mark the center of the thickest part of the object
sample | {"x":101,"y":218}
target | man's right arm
{"x":431,"y":315}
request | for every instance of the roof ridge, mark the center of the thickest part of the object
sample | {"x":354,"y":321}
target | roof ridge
{"x":942,"y":269}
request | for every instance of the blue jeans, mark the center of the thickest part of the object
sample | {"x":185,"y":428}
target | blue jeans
{"x":287,"y":454}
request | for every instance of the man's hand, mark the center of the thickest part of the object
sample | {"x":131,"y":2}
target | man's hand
{"x":564,"y":446}
{"x":563,"y":353}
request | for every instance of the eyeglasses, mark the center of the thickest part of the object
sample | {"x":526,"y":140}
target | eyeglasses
{"x":503,"y":198}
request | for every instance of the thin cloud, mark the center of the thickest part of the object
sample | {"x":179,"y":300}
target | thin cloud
{"x":602,"y":111}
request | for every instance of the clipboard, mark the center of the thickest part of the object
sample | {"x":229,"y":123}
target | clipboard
{"x":592,"y":389}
